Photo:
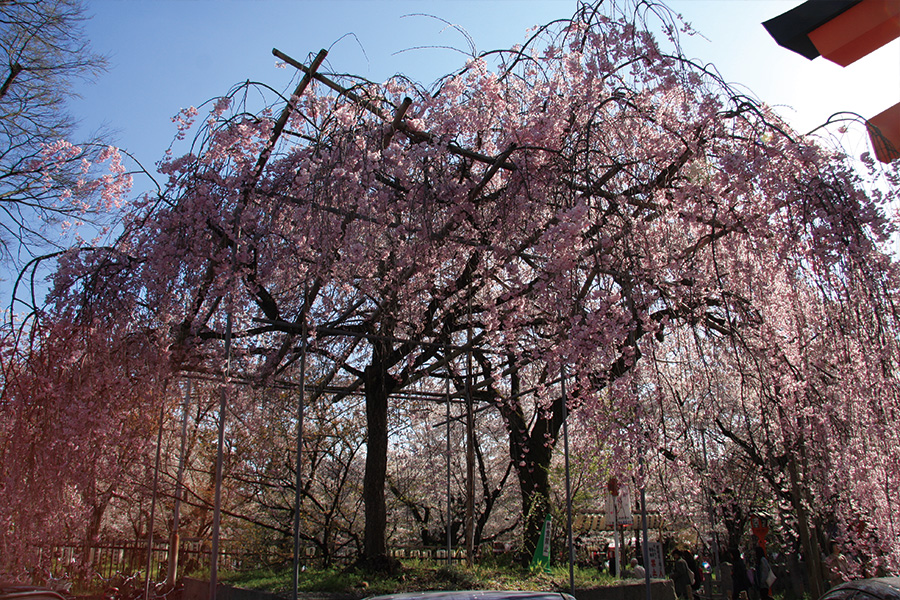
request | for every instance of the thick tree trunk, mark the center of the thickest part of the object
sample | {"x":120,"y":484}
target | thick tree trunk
{"x":98,"y":504}
{"x":378,"y":389}
{"x":808,"y":539}
{"x":534,"y":481}
{"x":531,"y":452}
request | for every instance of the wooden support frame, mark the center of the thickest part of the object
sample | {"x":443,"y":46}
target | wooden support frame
{"x":412,"y":133}
{"x":398,"y":120}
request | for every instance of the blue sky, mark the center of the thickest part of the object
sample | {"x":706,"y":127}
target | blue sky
{"x":170,"y":54}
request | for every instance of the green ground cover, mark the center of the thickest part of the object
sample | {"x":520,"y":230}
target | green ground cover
{"x":415,"y":576}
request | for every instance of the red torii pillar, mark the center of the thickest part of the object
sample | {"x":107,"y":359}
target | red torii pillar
{"x":843,"y":31}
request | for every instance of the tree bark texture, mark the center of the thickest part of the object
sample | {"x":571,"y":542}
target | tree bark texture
{"x":378,"y":389}
{"x":531,"y":453}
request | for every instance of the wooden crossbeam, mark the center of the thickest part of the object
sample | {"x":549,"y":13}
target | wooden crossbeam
{"x":286,"y":113}
{"x":409,"y":131}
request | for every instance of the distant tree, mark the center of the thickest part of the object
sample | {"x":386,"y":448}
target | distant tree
{"x":72,"y":426}
{"x":417,"y":475}
{"x":263,"y":475}
{"x":47,"y":188}
{"x":796,"y":410}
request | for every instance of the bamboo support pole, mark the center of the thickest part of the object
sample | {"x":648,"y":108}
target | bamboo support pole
{"x":492,"y":170}
{"x":570,"y":544}
{"x":154,"y":497}
{"x":398,"y":120}
{"x":175,"y":538}
{"x":285,"y":114}
{"x":449,"y":457}
{"x":470,"y":445}
{"x":413,"y":134}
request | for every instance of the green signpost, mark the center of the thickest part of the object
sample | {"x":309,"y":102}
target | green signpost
{"x":541,"y":558}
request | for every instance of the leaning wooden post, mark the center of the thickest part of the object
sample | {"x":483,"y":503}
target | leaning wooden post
{"x":395,"y":124}
{"x":285,"y":114}
{"x":413,"y":134}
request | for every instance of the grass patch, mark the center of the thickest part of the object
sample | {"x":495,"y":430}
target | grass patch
{"x":415,"y":576}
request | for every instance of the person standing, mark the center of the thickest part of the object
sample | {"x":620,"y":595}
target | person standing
{"x":682,"y":577}
{"x":725,"y":578}
{"x":837,"y":565}
{"x":740,"y":581}
{"x":694,"y":565}
{"x":763,"y":570}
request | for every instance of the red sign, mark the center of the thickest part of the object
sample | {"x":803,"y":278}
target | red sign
{"x":760,"y":527}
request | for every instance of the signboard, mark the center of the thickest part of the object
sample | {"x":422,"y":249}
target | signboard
{"x":760,"y":527}
{"x":657,"y":567}
{"x":541,"y":558}
{"x":618,"y":508}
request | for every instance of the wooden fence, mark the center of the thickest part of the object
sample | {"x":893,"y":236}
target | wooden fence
{"x":122,"y":559}
{"x":113,"y":561}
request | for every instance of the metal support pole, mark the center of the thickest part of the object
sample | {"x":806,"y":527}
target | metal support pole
{"x":175,"y":538}
{"x":220,"y":443}
{"x":295,"y":572}
{"x":470,"y":446}
{"x":646,"y":547}
{"x":618,"y":574}
{"x":162,"y":412}
{"x":449,"y":510}
{"x":565,"y":423}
